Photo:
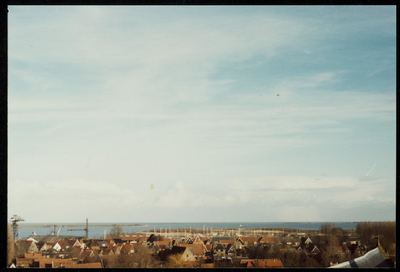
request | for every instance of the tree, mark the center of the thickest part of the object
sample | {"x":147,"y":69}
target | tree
{"x":120,"y":261}
{"x":328,"y":227}
{"x":275,"y":252}
{"x":144,"y":258}
{"x":384,"y":231}
{"x":116,"y":231}
{"x":10,"y":245}
{"x":291,"y":258}
{"x":176,"y":260}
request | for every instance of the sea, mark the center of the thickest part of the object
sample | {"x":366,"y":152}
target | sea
{"x":96,"y":230}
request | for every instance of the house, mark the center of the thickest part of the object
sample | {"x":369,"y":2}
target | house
{"x":26,"y":246}
{"x":108,"y":251}
{"x":141,"y":239}
{"x":183,"y":253}
{"x":60,"y":245}
{"x":117,"y":249}
{"x":33,"y":256}
{"x":247,"y":241}
{"x":29,"y":260}
{"x":162,"y":243}
{"x":315,"y":250}
{"x":102,"y":244}
{"x":226,"y":242}
{"x":261,"y":263}
{"x":131,"y":238}
{"x":83,"y":265}
{"x":268,"y":240}
{"x":40,"y":244}
{"x":32,"y":239}
{"x":86,"y":255}
{"x":23,"y":262}
{"x":270,"y":263}
{"x":199,"y":241}
{"x":218,"y":251}
{"x":50,"y":263}
{"x":127,"y":248}
{"x":197,"y":249}
{"x":75,"y":252}
{"x":230,"y":250}
{"x":50,"y":244}
{"x":72,"y":243}
{"x":56,"y":263}
{"x":41,"y":262}
{"x":218,"y":239}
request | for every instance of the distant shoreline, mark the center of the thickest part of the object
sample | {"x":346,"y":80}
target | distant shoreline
{"x":75,"y":226}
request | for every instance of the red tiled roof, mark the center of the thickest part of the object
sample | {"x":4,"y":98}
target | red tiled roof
{"x":23,"y":262}
{"x":227,"y":241}
{"x":33,"y":256}
{"x":61,"y":262}
{"x":62,"y":243}
{"x":198,"y":241}
{"x":248,"y":239}
{"x":126,"y":248}
{"x":270,"y":263}
{"x":161,"y":243}
{"x":55,"y":262}
{"x":86,"y":253}
{"x":76,"y":250}
{"x":268,"y":239}
{"x":250,"y":264}
{"x":70,"y":243}
{"x":83,"y":265}
{"x":142,"y":239}
{"x":110,"y":246}
{"x":129,"y":238}
{"x":197,"y":249}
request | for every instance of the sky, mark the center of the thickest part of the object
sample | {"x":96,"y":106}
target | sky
{"x":202,"y":114}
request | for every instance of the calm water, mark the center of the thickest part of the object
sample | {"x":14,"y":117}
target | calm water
{"x":99,"y":231}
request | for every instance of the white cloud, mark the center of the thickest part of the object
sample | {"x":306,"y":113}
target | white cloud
{"x":277,"y":198}
{"x":125,"y":98}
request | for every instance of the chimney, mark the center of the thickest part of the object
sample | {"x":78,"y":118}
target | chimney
{"x":87,"y":228}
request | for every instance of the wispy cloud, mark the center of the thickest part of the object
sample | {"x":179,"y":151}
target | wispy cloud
{"x":126,"y":97}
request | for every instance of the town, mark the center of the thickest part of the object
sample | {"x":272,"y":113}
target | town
{"x":199,"y":248}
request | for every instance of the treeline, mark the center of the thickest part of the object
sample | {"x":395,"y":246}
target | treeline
{"x":372,"y":232}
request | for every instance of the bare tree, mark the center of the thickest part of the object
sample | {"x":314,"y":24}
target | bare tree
{"x":291,"y":258}
{"x":328,"y":227}
{"x":144,"y":257}
{"x":116,"y":231}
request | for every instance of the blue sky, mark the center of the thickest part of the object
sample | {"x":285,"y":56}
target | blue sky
{"x":270,"y":113}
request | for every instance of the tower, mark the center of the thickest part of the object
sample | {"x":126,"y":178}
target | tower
{"x":14,"y":224}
